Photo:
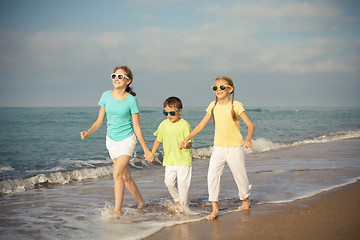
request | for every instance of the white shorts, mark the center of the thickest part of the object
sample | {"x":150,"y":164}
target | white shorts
{"x":123,"y":147}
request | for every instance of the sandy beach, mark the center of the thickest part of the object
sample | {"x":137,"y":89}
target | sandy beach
{"x":333,"y":214}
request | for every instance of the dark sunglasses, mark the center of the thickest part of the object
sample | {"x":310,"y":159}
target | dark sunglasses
{"x":119,"y":76}
{"x":172,"y":113}
{"x":221,"y":87}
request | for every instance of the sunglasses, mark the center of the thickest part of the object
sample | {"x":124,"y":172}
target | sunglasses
{"x":172,"y":113}
{"x":119,"y":76}
{"x":221,"y":87}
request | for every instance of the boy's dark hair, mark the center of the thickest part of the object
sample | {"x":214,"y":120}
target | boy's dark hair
{"x":173,"y":102}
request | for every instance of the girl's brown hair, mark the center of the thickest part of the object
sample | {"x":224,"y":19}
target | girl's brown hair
{"x":233,"y":114}
{"x":130,"y":75}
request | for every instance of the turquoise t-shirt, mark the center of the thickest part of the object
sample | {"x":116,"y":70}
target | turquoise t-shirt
{"x":171,"y":135}
{"x":118,"y":115}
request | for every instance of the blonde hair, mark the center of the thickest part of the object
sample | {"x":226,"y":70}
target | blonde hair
{"x":233,"y":114}
{"x":129,"y":75}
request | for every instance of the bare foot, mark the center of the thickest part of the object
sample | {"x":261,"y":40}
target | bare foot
{"x":212,"y":215}
{"x":141,"y":205}
{"x":118,"y":212}
{"x":179,"y":208}
{"x":245,"y":204}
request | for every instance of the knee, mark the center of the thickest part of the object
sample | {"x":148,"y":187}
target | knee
{"x":126,"y":178}
{"x":212,"y":176}
{"x":168,"y":182}
{"x":213,"y":179}
{"x":116,"y":175}
{"x":184,"y":184}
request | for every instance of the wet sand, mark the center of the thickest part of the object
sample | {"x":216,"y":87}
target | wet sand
{"x":334,"y":214}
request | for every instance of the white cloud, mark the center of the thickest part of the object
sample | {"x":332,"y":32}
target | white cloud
{"x":165,"y":50}
{"x":229,"y":42}
{"x":311,"y":59}
{"x":323,"y":42}
{"x":331,"y":65}
{"x":279,"y":15}
{"x":252,"y":38}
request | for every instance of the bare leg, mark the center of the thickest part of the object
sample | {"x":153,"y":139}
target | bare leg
{"x":119,"y":186}
{"x":133,"y":189}
{"x":215,"y":211}
{"x":245,"y":204}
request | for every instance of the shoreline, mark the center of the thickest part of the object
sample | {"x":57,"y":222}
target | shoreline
{"x":333,"y":214}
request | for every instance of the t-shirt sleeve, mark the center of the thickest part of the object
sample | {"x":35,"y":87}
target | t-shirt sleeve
{"x":239,"y":108}
{"x":210,"y":107}
{"x":134,"y":107}
{"x":159,"y":133}
{"x":102,"y":101}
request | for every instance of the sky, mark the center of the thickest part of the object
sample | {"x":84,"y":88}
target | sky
{"x":279,"y":53}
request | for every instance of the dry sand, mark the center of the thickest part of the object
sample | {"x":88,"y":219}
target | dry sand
{"x":334,"y":214}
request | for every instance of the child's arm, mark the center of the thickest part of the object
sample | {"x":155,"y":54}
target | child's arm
{"x":251,"y":129}
{"x":196,"y":130}
{"x":138,"y":132}
{"x":153,"y":151}
{"x":96,"y":125}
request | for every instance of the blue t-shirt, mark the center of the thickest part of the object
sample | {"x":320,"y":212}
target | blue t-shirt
{"x":118,"y":114}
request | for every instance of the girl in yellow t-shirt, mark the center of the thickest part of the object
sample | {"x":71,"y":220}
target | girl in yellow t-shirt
{"x":228,"y":142}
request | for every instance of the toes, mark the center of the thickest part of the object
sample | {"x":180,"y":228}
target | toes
{"x":212,"y":216}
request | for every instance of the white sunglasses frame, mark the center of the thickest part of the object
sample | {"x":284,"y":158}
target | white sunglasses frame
{"x":117,"y":76}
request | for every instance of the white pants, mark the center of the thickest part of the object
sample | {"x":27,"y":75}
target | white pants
{"x":179,"y":192}
{"x":235,"y":158}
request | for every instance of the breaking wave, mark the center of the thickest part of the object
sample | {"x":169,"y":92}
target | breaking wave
{"x":61,"y":177}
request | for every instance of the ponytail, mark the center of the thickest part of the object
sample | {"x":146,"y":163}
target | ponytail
{"x":129,"y":90}
{"x":233,"y":113}
{"x":212,"y":110}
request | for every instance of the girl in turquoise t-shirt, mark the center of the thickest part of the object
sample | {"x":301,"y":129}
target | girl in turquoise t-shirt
{"x":120,"y":107}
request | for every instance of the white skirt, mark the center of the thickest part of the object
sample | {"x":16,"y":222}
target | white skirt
{"x":123,"y":147}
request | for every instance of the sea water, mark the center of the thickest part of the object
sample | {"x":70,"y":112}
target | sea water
{"x":55,"y":186}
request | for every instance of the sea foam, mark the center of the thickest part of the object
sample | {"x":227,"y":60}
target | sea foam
{"x":55,"y":178}
{"x":61,"y":177}
{"x":264,"y":145}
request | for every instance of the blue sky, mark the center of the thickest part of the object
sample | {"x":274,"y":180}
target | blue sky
{"x":279,"y":53}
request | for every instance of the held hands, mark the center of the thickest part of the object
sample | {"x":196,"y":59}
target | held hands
{"x":149,"y":156}
{"x":84,"y":135}
{"x":185,"y":145}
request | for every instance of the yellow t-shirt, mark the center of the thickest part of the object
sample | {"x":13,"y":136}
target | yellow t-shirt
{"x":227,"y":132}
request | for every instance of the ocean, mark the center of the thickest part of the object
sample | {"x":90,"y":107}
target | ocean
{"x":55,"y":186}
